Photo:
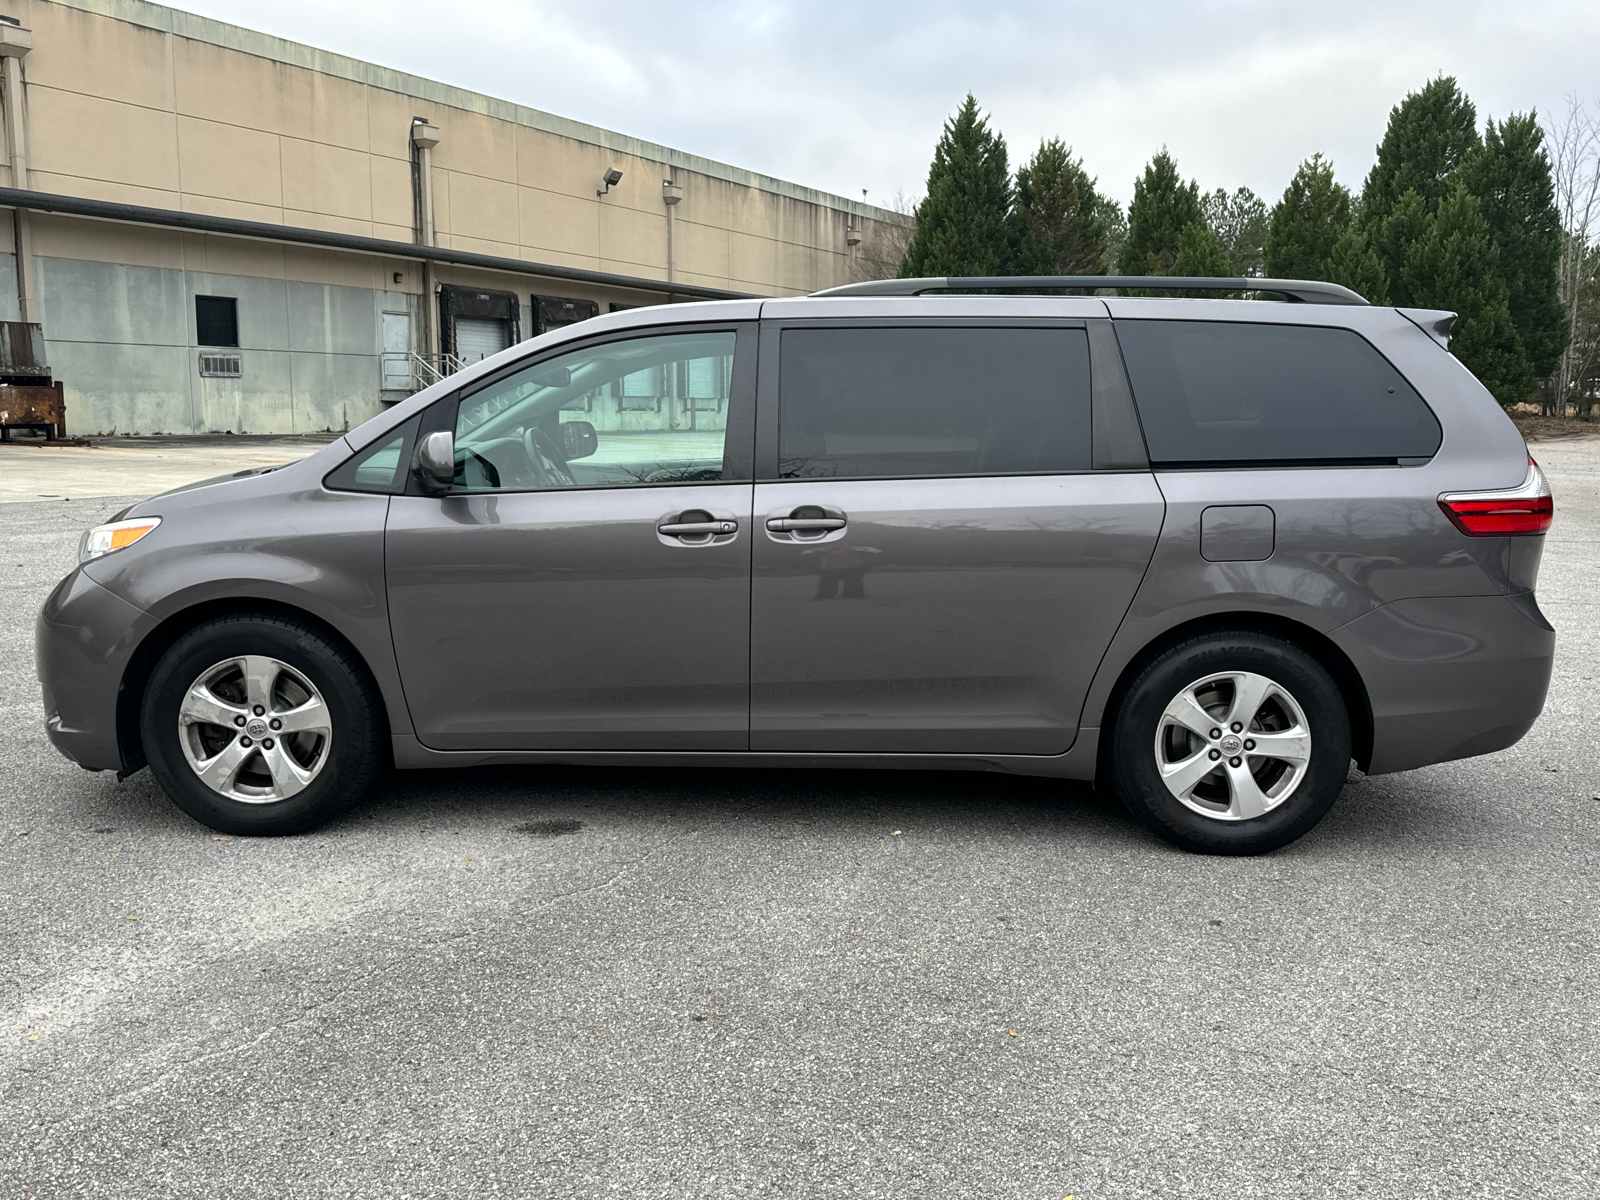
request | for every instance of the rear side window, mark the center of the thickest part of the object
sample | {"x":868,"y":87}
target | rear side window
{"x":1216,"y":393}
{"x":868,"y":403}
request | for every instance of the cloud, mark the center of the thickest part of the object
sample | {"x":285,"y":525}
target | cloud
{"x":846,"y":97}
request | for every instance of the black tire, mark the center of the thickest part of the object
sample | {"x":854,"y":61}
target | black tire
{"x":348,"y":763}
{"x":1136,"y":773}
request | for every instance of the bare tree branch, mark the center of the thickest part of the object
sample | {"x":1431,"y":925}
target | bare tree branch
{"x":1575,"y":169}
{"x":885,"y":242}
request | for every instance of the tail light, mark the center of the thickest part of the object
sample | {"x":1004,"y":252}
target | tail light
{"x":1528,"y":509}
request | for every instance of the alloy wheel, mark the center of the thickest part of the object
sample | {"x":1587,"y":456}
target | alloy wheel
{"x":254,"y":729}
{"x":1232,"y":746}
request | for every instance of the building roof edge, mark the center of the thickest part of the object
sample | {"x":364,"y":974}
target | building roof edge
{"x":327,"y":62}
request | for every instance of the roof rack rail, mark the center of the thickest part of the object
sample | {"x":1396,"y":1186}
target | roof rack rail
{"x":1300,"y":291}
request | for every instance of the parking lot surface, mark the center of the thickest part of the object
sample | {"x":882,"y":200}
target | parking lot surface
{"x":34,"y":470}
{"x":813,"y":984}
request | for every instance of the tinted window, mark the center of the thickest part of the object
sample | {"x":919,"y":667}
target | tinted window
{"x":647,"y":410}
{"x":869,"y":403}
{"x":1218,"y":392}
{"x":380,"y":467}
{"x":216,"y":320}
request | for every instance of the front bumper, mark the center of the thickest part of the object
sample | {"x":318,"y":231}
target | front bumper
{"x":83,"y":641}
{"x":1450,"y":677}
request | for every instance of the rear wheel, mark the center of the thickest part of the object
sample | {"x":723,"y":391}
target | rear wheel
{"x":259,"y":724}
{"x":1231,"y":743}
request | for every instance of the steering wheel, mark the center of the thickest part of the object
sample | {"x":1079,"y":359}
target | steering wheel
{"x":550,"y":469}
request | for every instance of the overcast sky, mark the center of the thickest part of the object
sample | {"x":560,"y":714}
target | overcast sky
{"x":849,"y":96}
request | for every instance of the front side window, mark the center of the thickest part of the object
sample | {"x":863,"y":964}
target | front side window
{"x":1220,"y":392}
{"x":648,"y":410}
{"x":864,"y":403}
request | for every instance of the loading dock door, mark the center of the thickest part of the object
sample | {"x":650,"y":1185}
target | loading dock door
{"x":478,"y":338}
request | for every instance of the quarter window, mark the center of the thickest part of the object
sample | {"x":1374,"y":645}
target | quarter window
{"x":1218,"y":392}
{"x":917,"y":402}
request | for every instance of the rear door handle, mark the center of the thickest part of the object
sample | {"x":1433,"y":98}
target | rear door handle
{"x":791,"y":524}
{"x":691,"y":528}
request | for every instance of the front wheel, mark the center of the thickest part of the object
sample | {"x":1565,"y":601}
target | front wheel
{"x":261,"y":724}
{"x":1231,"y":743}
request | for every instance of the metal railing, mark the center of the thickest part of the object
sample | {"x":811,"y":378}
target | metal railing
{"x":408,"y":371}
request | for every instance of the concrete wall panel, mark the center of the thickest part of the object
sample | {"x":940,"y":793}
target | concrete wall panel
{"x":331,"y":320}
{"x":229,"y":162}
{"x":334,"y":391}
{"x":113,"y":387}
{"x":113,"y":303}
{"x":90,"y":137}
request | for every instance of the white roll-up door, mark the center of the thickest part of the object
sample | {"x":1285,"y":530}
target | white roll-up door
{"x":477,"y":339}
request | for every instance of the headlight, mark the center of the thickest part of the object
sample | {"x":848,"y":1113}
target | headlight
{"x":103,"y":539}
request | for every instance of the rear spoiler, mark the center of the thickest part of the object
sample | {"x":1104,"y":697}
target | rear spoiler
{"x":1434,"y":322}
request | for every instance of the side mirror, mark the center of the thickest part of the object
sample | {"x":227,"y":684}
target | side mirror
{"x":435,"y":463}
{"x":577,"y":439}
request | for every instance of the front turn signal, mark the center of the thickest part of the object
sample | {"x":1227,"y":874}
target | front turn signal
{"x":118,"y":535}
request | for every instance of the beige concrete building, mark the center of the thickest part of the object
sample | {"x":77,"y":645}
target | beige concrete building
{"x":221,"y":230}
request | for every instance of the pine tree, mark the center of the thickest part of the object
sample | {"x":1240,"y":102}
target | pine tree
{"x":1307,"y":223}
{"x":1510,"y":177}
{"x":1392,"y":238}
{"x":1430,"y":134}
{"x":1162,"y":206}
{"x":1240,"y":223}
{"x":1455,"y":265}
{"x":1115,"y":222}
{"x":1062,"y":211}
{"x":965,"y":224}
{"x":1200,"y":253}
{"x":1353,"y":262}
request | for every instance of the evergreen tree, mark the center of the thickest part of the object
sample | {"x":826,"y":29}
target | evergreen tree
{"x":1240,"y":223}
{"x":1162,"y":206}
{"x":1393,"y":237}
{"x":1307,"y":223}
{"x":1115,"y":222}
{"x":1353,"y":262}
{"x":1510,"y":177}
{"x":1455,"y":265}
{"x":1430,"y":134}
{"x":1200,"y":253}
{"x":1062,"y":212}
{"x":965,"y":224}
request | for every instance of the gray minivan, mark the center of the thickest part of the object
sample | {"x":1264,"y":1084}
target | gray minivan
{"x":1204,"y":551}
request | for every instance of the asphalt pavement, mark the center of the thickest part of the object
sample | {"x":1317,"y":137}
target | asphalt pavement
{"x":652,"y":983}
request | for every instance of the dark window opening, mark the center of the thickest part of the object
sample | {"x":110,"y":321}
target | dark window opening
{"x":908,"y":402}
{"x":1220,"y":392}
{"x":216,"y":320}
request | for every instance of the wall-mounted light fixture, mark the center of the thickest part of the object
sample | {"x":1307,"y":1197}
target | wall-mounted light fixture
{"x":611,"y":178}
{"x":852,"y":236}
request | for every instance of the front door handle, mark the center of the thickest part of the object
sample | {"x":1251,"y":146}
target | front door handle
{"x":690,"y":528}
{"x":794,"y":524}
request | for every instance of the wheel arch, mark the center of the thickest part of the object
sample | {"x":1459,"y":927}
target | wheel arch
{"x":142,"y":663}
{"x":1315,"y":643}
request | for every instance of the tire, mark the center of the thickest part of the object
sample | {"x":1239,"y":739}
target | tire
{"x":1192,"y":778}
{"x":314,"y":713}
